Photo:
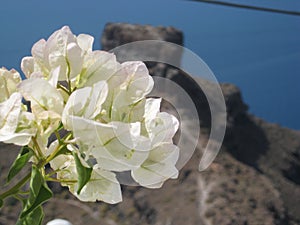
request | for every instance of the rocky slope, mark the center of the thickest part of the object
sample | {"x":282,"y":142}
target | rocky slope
{"x":255,"y":179}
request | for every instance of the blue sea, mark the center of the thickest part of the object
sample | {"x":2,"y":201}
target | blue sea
{"x":257,"y":51}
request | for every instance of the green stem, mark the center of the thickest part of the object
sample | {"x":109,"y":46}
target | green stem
{"x":37,"y":147}
{"x":15,"y":189}
{"x":61,"y":180}
{"x":57,"y":149}
{"x":68,"y":77}
{"x":63,"y":88}
{"x":57,"y":136}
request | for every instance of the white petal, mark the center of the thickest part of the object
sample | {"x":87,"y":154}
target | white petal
{"x":99,"y":66}
{"x":159,"y":167}
{"x":152,"y":108}
{"x":56,"y":59}
{"x":61,"y":162}
{"x":42,"y":95}
{"x":26,"y":129}
{"x":138,"y":84}
{"x":97,"y":98}
{"x":9,"y":79}
{"x":59,"y":40}
{"x":20,"y":139}
{"x":85,"y":102}
{"x":128,"y":113}
{"x":9,"y":120}
{"x":27,"y":66}
{"x":91,"y":132}
{"x":75,"y":105}
{"x":162,"y":128}
{"x":103,"y":186}
{"x":128,"y":150}
{"x":75,"y":59}
{"x":129,"y":135}
{"x":37,"y":51}
{"x":53,"y":76}
{"x":85,"y":42}
{"x":117,"y":157}
{"x":9,"y":114}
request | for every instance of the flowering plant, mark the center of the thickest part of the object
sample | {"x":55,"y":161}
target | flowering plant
{"x":98,"y":112}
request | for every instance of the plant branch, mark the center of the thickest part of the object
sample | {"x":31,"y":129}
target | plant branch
{"x":15,"y":189}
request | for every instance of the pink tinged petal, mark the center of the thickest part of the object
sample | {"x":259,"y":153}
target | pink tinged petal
{"x":42,"y":95}
{"x":75,"y":59}
{"x":103,"y":186}
{"x":85,"y":42}
{"x":159,"y":167}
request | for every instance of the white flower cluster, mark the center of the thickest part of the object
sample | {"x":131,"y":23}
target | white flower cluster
{"x":103,"y":106}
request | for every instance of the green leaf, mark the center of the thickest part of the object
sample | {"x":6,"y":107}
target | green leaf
{"x":84,"y":173}
{"x":21,"y":160}
{"x":1,"y":203}
{"x":34,"y":218}
{"x":39,"y":192}
{"x":63,"y":151}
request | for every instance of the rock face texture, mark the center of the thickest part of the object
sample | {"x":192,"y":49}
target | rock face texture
{"x":258,"y":169}
{"x":255,"y":179}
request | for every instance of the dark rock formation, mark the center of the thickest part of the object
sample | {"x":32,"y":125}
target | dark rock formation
{"x":127,"y":33}
{"x":269,"y":163}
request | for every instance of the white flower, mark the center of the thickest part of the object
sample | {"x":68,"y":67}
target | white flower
{"x":161,"y":128}
{"x":42,"y":96}
{"x":124,"y":131}
{"x":15,"y":122}
{"x":115,"y":146}
{"x":8,"y":83}
{"x":58,"y":222}
{"x":102,"y":186}
{"x":103,"y":107}
{"x":135,"y":87}
{"x":128,"y":89}
{"x":85,"y":102}
{"x":47,"y":106}
{"x":159,"y":166}
{"x":98,"y":66}
{"x":63,"y":49}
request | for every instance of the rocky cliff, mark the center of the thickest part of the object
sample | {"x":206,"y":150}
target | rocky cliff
{"x":255,"y":179}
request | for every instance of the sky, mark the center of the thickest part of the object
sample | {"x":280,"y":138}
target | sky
{"x":257,"y":51}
